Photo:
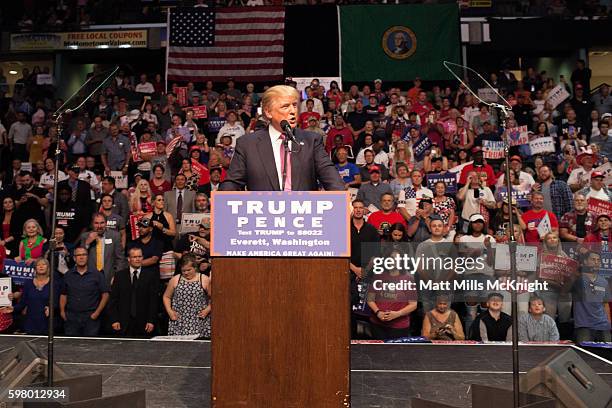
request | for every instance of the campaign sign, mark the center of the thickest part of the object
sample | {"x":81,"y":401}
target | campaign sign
{"x":450,"y":179}
{"x":557,"y":95}
{"x":526,"y":258}
{"x":606,"y":264}
{"x":199,"y":112}
{"x":280,"y":224}
{"x":190,"y":222}
{"x":18,"y":271}
{"x":148,"y":148}
{"x":5,"y":290}
{"x":493,"y":149}
{"x":121,"y":180}
{"x":542,"y":145}
{"x":518,"y":136}
{"x":181,"y":95}
{"x":521,"y":196}
{"x":420,"y":147}
{"x":560,"y":269}
{"x":597,"y":206}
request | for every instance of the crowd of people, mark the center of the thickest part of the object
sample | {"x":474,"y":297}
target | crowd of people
{"x":59,"y":15}
{"x":139,"y":164}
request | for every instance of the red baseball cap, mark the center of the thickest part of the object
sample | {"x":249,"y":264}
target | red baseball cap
{"x":374,"y":168}
{"x":597,"y":174}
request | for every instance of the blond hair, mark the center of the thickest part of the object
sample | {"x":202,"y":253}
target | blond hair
{"x":275,"y":92}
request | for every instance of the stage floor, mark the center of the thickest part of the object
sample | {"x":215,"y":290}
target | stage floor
{"x":177,"y":373}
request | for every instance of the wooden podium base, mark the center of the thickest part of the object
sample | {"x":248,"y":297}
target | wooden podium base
{"x":280,"y":332}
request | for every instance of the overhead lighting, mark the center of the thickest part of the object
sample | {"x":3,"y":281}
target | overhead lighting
{"x":13,"y":72}
{"x":125,"y":46}
{"x":73,"y":47}
{"x":102,"y":46}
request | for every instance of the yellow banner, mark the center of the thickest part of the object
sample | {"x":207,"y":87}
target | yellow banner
{"x":79,"y":40}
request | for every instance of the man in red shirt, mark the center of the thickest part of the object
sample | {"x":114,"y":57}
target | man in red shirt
{"x":339,"y":129}
{"x":533,"y":217}
{"x":478,"y":166}
{"x":383,"y":219}
{"x":421,"y":106}
{"x":309,"y":113}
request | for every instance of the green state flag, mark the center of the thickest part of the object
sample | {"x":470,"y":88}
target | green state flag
{"x":398,"y":43}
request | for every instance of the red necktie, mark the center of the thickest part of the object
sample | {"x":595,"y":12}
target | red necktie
{"x":282,"y":155}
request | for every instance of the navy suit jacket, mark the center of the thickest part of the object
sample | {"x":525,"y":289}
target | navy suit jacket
{"x":253,"y":164}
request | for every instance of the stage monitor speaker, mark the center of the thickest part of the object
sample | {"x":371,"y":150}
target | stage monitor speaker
{"x":486,"y":397}
{"x":565,"y":377}
{"x":23,"y":366}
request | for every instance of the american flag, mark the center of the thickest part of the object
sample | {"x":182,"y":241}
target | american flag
{"x":246,"y":44}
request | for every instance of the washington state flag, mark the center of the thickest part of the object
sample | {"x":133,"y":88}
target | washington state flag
{"x":398,"y":42}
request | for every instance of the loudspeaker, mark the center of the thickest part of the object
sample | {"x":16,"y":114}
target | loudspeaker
{"x":487,"y":397}
{"x":565,"y":377}
{"x":22,"y":366}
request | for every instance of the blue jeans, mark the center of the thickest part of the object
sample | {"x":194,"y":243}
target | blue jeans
{"x":81,"y":324}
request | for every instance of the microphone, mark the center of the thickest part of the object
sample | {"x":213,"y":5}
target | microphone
{"x":289,"y":132}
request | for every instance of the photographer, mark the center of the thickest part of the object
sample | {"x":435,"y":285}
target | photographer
{"x":474,"y":195}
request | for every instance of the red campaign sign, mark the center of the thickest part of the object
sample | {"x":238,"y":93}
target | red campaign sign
{"x":202,"y":170}
{"x":199,"y":112}
{"x":181,"y":95}
{"x":148,"y":148}
{"x":597,"y":206}
{"x":560,"y":269}
{"x":133,"y":227}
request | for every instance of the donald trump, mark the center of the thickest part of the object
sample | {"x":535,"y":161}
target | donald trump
{"x":258,"y":163}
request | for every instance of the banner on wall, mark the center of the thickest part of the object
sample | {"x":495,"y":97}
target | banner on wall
{"x":79,"y":40}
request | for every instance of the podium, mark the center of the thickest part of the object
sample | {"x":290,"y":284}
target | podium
{"x":280,"y":320}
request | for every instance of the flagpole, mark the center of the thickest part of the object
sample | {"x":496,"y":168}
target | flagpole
{"x":167,"y":48}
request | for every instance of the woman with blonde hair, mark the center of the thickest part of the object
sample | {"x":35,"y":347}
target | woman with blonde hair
{"x":31,"y":246}
{"x":35,"y":299}
{"x":140,"y":199}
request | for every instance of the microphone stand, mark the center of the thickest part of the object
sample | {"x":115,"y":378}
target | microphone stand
{"x":285,"y":156}
{"x":512,"y":244}
{"x":57,"y":119}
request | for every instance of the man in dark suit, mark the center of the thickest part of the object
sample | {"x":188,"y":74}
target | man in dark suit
{"x":132,"y":307}
{"x":179,"y":200}
{"x":104,"y":248}
{"x":215,"y":181}
{"x":257,"y":160}
{"x":81,"y":196}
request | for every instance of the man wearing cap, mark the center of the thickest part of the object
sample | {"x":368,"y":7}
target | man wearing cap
{"x":601,"y":233}
{"x":580,"y":176}
{"x":492,"y":324}
{"x":575,"y":225}
{"x":419,"y":225}
{"x":81,"y":193}
{"x":370,"y":193}
{"x":557,"y":194}
{"x":478,"y":166}
{"x":151,"y":248}
{"x":487,"y":134}
{"x":259,"y":158}
{"x":516,"y":164}
{"x":474,"y":195}
{"x":597,"y":188}
{"x":604,"y":140}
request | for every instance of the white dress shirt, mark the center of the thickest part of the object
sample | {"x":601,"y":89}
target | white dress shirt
{"x":132,"y":273}
{"x":275,"y":139}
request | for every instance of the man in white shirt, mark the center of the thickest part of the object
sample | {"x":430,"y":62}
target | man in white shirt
{"x":87,"y":175}
{"x":144,"y":86}
{"x":318,"y":105}
{"x":581,"y":176}
{"x":597,"y":189}
{"x":516,"y":164}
